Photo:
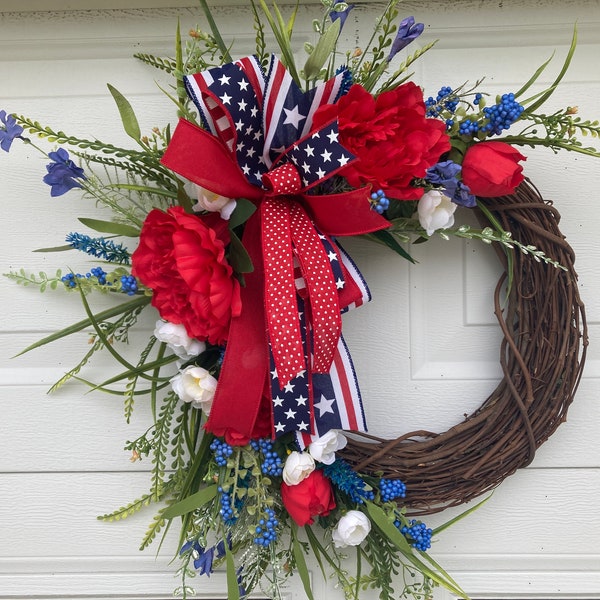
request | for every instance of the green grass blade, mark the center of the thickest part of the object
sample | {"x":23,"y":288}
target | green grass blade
{"x":215,"y":32}
{"x":80,"y":325}
{"x":301,"y":563}
{"x":191,"y":502}
{"x":130,"y":122}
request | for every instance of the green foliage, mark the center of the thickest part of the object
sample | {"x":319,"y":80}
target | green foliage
{"x":42,"y":279}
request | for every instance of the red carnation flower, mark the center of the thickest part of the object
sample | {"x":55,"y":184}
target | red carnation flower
{"x":182,"y":260}
{"x":390,"y":135}
{"x":311,"y":497}
{"x":492,"y":169}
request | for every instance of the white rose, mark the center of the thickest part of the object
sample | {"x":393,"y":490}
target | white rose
{"x":298,"y":466}
{"x":351,"y":529}
{"x":323,"y":449}
{"x":176,"y":337}
{"x":197,"y":386}
{"x":212,"y":202}
{"x":436,"y":211}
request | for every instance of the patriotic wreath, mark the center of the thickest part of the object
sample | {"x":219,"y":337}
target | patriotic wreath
{"x":259,"y":431}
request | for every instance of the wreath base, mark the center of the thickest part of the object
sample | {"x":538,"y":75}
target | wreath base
{"x":542,"y":354}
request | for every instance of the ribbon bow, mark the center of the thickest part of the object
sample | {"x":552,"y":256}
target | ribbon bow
{"x":262,"y":147}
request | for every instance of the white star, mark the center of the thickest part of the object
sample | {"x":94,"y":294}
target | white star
{"x":224,"y":80}
{"x":332,"y":255}
{"x":320,"y":173}
{"x":258,"y":135}
{"x":324,"y":406}
{"x":249,"y":130}
{"x":343,"y":160}
{"x":301,"y":400}
{"x":277,"y":401}
{"x":310,"y":151}
{"x":302,"y":426}
{"x":246,"y":169}
{"x":293,"y":117}
{"x":226,"y":99}
{"x":253,"y":111}
{"x":315,"y":135}
{"x":274,"y":371}
{"x":306,"y":168}
{"x":240,"y":147}
{"x":301,"y":373}
{"x":279,"y":426}
{"x":290,"y":414}
{"x":243,"y":84}
{"x":339,"y":284}
{"x":289,"y":387}
{"x":258,"y":175}
{"x":250,"y":152}
{"x":242,"y":104}
{"x":333,"y":136}
{"x":326,"y":156}
{"x":239,"y":125}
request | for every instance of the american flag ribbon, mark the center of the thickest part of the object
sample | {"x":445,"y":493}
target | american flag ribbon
{"x":265,"y":122}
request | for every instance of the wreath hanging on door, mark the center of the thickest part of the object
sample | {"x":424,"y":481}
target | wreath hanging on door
{"x":239,"y":213}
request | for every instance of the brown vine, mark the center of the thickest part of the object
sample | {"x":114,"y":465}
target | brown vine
{"x":541,"y":355}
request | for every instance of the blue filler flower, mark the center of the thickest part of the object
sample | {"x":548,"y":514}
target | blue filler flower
{"x":9,"y":132}
{"x":62,"y":173}
{"x":408,"y":31}
{"x":99,"y":247}
{"x":345,"y":479}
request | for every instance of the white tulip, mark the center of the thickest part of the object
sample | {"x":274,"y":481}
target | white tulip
{"x":212,"y":202}
{"x":323,"y":449}
{"x":436,"y":211}
{"x":196,"y":386}
{"x":176,"y":337}
{"x":351,"y":529}
{"x":298,"y":466}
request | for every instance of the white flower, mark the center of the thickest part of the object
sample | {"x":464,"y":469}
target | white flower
{"x":176,"y":337}
{"x":351,"y":529}
{"x":197,"y":386}
{"x":212,"y":202}
{"x":298,"y":466}
{"x":436,"y":211}
{"x":323,"y":449}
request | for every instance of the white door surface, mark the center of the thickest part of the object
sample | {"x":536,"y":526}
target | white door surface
{"x":431,"y":348}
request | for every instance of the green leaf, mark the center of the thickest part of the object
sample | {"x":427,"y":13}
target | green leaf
{"x":301,"y":563}
{"x":80,"y":325}
{"x":191,"y":502}
{"x":144,"y":189}
{"x":233,"y":589}
{"x":322,"y":51}
{"x":55,"y":249}
{"x":215,"y":32}
{"x":238,"y":256}
{"x":390,"y":241}
{"x":110,"y":227}
{"x":130,"y":122}
{"x":243,"y":210}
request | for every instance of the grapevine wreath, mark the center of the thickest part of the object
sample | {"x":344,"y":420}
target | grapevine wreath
{"x":258,"y":428}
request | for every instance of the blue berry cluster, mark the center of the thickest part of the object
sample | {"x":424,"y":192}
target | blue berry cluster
{"x":391,"y":489}
{"x":477,"y":98}
{"x":129,"y":285}
{"x":417,"y":533}
{"x":266,"y":531}
{"x":379,"y":202}
{"x":345,"y":479}
{"x":445,"y":100}
{"x":70,"y":280}
{"x":221,"y":451}
{"x":227,"y":513}
{"x":468,"y":127}
{"x":502,"y":115}
{"x":272,"y":464}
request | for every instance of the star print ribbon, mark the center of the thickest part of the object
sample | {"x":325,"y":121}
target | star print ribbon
{"x":261,"y":146}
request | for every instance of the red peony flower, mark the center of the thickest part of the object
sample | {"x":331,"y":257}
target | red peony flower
{"x":311,"y":497}
{"x":391,"y":137}
{"x":492,"y":169}
{"x":182,"y":260}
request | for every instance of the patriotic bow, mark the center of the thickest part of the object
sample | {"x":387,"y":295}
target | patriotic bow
{"x":262,"y":147}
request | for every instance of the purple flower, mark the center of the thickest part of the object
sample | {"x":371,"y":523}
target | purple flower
{"x":62,"y":173}
{"x":341,"y":14}
{"x":445,"y":174}
{"x":10,"y":130}
{"x":408,"y":31}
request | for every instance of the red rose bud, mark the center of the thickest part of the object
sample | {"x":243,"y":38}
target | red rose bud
{"x":182,"y":260}
{"x":492,"y":169}
{"x":311,"y":497}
